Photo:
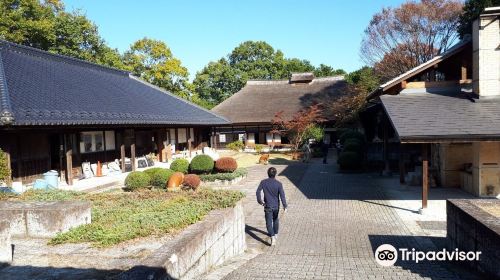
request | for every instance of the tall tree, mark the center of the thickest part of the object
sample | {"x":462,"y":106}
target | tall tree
{"x":472,"y":9}
{"x":218,"y":80}
{"x":152,"y":60}
{"x":47,"y":26}
{"x":409,"y":35}
{"x":325,"y":71}
{"x":249,"y":60}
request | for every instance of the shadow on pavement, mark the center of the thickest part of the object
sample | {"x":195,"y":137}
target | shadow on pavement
{"x":251,"y":231}
{"x":70,"y":273}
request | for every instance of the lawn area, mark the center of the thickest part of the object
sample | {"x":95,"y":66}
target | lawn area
{"x":121,"y":216}
{"x":245,"y":160}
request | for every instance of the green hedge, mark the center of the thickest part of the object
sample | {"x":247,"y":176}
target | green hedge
{"x":201,"y":164}
{"x":4,"y":167}
{"x":224,"y":176}
{"x":353,"y":147}
{"x":159,"y":176}
{"x":350,"y":160}
{"x":352,"y":134}
{"x":180,"y":165}
{"x":137,"y":180}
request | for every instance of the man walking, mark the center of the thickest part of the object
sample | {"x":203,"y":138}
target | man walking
{"x":273,"y":192}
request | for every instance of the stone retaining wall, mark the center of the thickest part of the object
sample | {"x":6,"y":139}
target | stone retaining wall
{"x":200,"y":247}
{"x":44,"y":219}
{"x":5,"y":243}
{"x":474,"y":225}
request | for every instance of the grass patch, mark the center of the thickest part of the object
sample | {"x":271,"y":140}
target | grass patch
{"x":117,"y":217}
{"x":224,"y":176}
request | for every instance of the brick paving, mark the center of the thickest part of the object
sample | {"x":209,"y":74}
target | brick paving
{"x":334,"y":224}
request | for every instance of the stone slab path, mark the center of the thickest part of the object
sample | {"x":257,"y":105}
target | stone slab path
{"x":334,"y":224}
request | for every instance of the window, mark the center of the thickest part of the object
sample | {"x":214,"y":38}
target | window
{"x":182,"y":135}
{"x":93,"y":141}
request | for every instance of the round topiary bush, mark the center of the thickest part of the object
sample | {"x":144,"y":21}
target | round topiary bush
{"x":137,"y":180}
{"x":202,"y":164}
{"x":159,"y":176}
{"x":350,"y":160}
{"x":192,"y":180}
{"x":351,"y":134}
{"x":180,"y":165}
{"x":226,"y":165}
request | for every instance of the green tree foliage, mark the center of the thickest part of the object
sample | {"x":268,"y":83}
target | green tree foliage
{"x":47,"y":26}
{"x":218,"y":80}
{"x":315,"y":132}
{"x":249,"y":61}
{"x":363,"y":79}
{"x":325,"y":71}
{"x":152,"y":60}
{"x":5,"y":171}
{"x":472,"y":9}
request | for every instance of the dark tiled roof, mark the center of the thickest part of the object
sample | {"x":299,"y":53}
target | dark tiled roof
{"x":428,"y":117}
{"x":39,"y":88}
{"x":259,"y":101}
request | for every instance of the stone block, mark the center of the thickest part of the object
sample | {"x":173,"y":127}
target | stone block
{"x":5,"y":243}
{"x":44,"y":219}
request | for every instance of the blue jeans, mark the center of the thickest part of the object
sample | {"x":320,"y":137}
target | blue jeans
{"x":272,"y":221}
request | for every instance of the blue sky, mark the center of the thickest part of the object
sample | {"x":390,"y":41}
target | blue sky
{"x":200,"y":31}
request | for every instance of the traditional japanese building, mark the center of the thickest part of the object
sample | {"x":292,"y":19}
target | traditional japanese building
{"x":252,"y":109}
{"x":57,"y":112}
{"x":445,"y":114}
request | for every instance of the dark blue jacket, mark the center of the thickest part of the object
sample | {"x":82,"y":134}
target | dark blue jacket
{"x":273,"y":192}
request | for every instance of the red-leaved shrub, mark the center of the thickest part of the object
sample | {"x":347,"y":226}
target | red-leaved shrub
{"x":226,"y":164}
{"x":192,"y":180}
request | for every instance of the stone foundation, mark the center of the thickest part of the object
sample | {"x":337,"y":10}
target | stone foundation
{"x":5,"y":243}
{"x":474,"y":225}
{"x":44,"y":219}
{"x":200,"y":247}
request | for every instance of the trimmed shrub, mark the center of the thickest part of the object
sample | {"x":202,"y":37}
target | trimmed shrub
{"x":353,"y":146}
{"x":192,"y":180}
{"x":259,"y":148}
{"x":226,"y":164}
{"x":180,"y":165}
{"x":236,"y":146}
{"x":4,"y":167}
{"x":137,"y":180}
{"x":201,"y":164}
{"x":159,"y":176}
{"x":224,"y":176}
{"x":350,"y":160}
{"x":352,"y":134}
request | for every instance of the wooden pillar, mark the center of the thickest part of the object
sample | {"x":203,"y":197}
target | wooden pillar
{"x":62,"y":148}
{"x":69,"y":166}
{"x":9,"y":164}
{"x":402,"y":170}
{"x":425,"y":175}
{"x":122,"y":155}
{"x":463,"y":70}
{"x":104,"y":145}
{"x":190,"y":146}
{"x":159,"y":145}
{"x":19,"y":158}
{"x":132,"y":155}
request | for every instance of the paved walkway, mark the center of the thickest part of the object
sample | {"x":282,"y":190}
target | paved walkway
{"x":334,"y":224}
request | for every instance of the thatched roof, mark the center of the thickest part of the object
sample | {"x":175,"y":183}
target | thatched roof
{"x":259,"y":101}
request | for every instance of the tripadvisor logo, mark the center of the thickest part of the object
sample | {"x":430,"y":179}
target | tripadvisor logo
{"x":387,"y":255}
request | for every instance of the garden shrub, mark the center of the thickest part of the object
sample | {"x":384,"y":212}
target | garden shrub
{"x":202,"y":164}
{"x":353,"y":147}
{"x":5,"y":172}
{"x":159,"y":176}
{"x":236,"y":146}
{"x":137,"y":180}
{"x":226,"y":164}
{"x":224,"y":176}
{"x":180,"y":165}
{"x":259,"y":147}
{"x":352,"y":134}
{"x":350,"y":160}
{"x":192,"y":180}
